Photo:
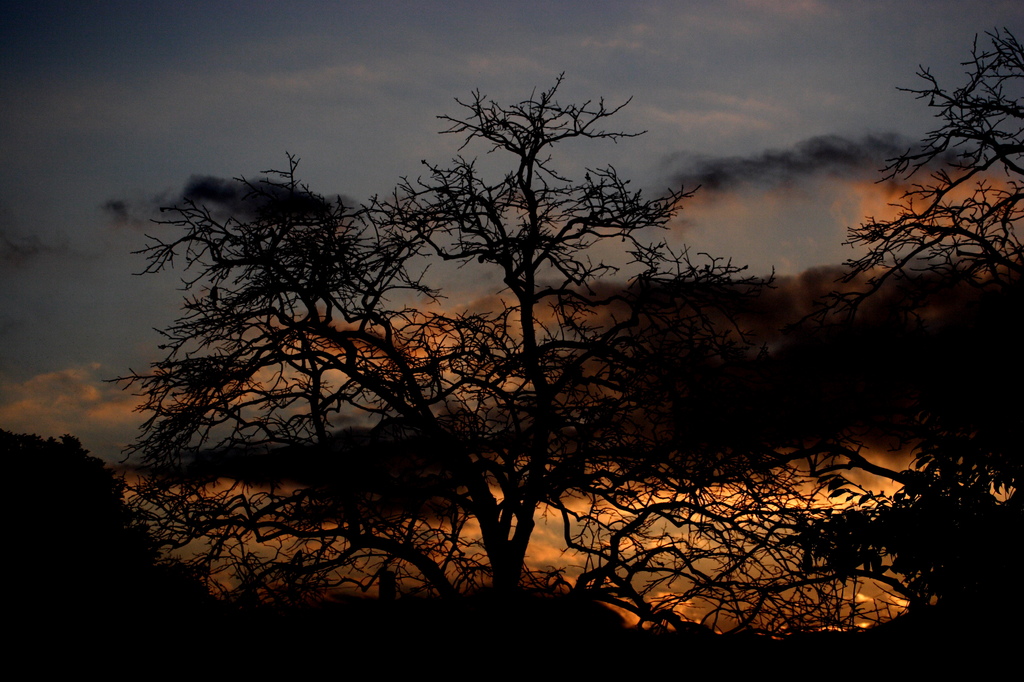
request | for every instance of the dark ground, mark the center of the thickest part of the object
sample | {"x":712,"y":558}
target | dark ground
{"x":548,"y":637}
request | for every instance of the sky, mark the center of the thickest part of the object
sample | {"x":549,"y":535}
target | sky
{"x":782,"y":111}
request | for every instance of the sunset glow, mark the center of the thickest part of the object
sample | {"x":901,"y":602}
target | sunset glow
{"x":700,"y":312}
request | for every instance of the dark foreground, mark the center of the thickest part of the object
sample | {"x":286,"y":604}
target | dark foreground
{"x":548,"y":637}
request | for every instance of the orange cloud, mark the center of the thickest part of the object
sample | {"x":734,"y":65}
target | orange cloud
{"x":76,"y":401}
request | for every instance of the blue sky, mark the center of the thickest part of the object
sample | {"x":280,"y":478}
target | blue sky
{"x":108,"y":110}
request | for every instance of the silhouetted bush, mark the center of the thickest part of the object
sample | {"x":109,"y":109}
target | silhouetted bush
{"x":88,"y":554}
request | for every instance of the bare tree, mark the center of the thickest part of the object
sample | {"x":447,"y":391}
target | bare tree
{"x":957,"y":226}
{"x":326,"y":418}
{"x":954,"y":238}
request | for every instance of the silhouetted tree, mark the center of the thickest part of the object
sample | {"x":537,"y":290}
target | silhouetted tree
{"x":325,"y":418}
{"x":958,"y":226}
{"x":942,"y":538}
{"x":92,"y":555}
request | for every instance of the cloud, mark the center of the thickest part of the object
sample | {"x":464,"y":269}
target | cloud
{"x":823,"y":155}
{"x":75,"y":401}
{"x":791,"y":298}
{"x":226,"y":193}
{"x":21,"y":244}
{"x":117,"y":208}
{"x":135,"y":213}
{"x":857,"y":373}
{"x":248,"y":199}
{"x":883,"y":314}
{"x":17,"y":250}
{"x":224,"y":197}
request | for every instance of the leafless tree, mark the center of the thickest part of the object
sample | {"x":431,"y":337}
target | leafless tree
{"x":957,"y":226}
{"x":328,"y":418}
{"x":954,"y":236}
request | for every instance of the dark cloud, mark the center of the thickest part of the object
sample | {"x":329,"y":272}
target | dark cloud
{"x":227,"y":194}
{"x":795,"y":304}
{"x":825,"y":155}
{"x":820,"y":379}
{"x":17,"y":250}
{"x":245,"y":200}
{"x":131,"y":213}
{"x":790,"y":299}
{"x":224,"y":197}
{"x":117,"y":209}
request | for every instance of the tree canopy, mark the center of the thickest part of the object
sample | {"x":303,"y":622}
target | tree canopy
{"x":327,"y":421}
{"x":325,"y":418}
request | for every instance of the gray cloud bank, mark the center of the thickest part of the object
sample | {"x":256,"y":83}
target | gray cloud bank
{"x":823,"y":155}
{"x":232,"y":197}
